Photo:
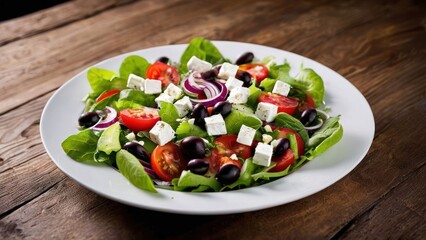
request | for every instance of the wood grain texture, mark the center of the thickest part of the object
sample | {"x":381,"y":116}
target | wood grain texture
{"x":378,"y":45}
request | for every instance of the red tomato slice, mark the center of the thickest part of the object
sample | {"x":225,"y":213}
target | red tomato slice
{"x":163,"y":72}
{"x":167,"y":161}
{"x":257,"y":71}
{"x":299,"y":140}
{"x":283,"y":161}
{"x":107,"y":95}
{"x":307,"y":103}
{"x":226,"y":146}
{"x":139,"y":119}
{"x":285,"y":104}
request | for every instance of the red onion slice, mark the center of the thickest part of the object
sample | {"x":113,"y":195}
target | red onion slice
{"x":108,"y":120}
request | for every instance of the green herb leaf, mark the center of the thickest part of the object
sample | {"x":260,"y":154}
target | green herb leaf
{"x":236,"y":119}
{"x":133,"y":170}
{"x":168,"y":113}
{"x":133,"y":64}
{"x":185,"y":130}
{"x":81,"y":146}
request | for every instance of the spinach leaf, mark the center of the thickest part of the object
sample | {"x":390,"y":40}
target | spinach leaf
{"x":188,"y":180}
{"x":133,"y":64}
{"x":329,"y":134}
{"x":102,"y":80}
{"x":133,"y":170}
{"x":109,"y":141}
{"x":237,"y":118}
{"x":185,"y":130}
{"x":287,"y":121}
{"x":268,"y":84}
{"x":138,"y":97}
{"x":168,"y":113}
{"x":81,"y":146}
{"x":102,"y":157}
{"x":202,"y":49}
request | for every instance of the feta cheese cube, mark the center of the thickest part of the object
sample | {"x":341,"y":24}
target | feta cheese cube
{"x":281,"y":88}
{"x":196,"y":64}
{"x":263,"y":154}
{"x":246,"y":135}
{"x":131,"y":136}
{"x":135,"y":82}
{"x":234,"y":157}
{"x":183,"y":106}
{"x":152,"y":86}
{"x":232,"y":83}
{"x":227,"y":70}
{"x":267,"y":128}
{"x":215,"y":125}
{"x":266,"y":138}
{"x":266,"y":111}
{"x":164,"y":98}
{"x":239,"y":95}
{"x":274,"y":143}
{"x":161,"y":133}
{"x":173,"y":91}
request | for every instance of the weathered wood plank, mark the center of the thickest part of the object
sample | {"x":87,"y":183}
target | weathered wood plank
{"x":51,"y":18}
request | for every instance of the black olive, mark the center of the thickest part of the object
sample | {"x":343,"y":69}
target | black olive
{"x":210,"y":75}
{"x":193,"y":147}
{"x":224,"y":108}
{"x":88,"y":119}
{"x":139,"y":152}
{"x":199,"y":113}
{"x":308,"y":116}
{"x":282,"y":146}
{"x":228,"y":173}
{"x":245,"y":77}
{"x":245,"y":58}
{"x":163,"y":60}
{"x":198,"y":166}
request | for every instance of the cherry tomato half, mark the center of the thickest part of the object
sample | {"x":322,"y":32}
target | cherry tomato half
{"x":107,"y":95}
{"x":307,"y":103}
{"x":300,"y":144}
{"x":285,"y":104}
{"x":226,"y":146}
{"x":139,"y":119}
{"x":257,"y":71}
{"x":167,"y":161}
{"x":283,"y":161}
{"x":163,"y":72}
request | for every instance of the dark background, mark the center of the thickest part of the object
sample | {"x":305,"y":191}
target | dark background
{"x":16,"y":8}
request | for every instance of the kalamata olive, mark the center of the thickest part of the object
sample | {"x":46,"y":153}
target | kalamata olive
{"x":163,"y":60}
{"x":198,"y":166}
{"x":245,"y":58}
{"x":308,"y":116}
{"x":193,"y":147}
{"x":282,"y":146}
{"x":139,"y":152}
{"x":199,"y":113}
{"x":228,"y":173}
{"x":210,"y":75}
{"x":88,"y":119}
{"x":224,"y":108}
{"x":245,"y":77}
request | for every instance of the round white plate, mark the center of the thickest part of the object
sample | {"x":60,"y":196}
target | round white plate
{"x":59,"y":120}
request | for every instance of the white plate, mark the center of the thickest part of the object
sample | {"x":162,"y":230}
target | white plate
{"x":59,"y":120}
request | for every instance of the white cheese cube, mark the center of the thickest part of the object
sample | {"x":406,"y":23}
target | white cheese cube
{"x":267,"y":128}
{"x":131,"y":136}
{"x":266,"y":138}
{"x":173,"y":91}
{"x":234,"y":157}
{"x":227,"y":70}
{"x":232,"y":83}
{"x":161,"y":133}
{"x":215,"y":125}
{"x":196,"y":64}
{"x":263,"y":154}
{"x":239,"y":95}
{"x":183,"y":106}
{"x":152,"y":86}
{"x":135,"y":82}
{"x":246,"y":135}
{"x":164,"y":98}
{"x":266,"y":111}
{"x":281,"y":88}
{"x":274,"y":143}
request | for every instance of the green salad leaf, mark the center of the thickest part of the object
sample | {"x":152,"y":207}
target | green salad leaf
{"x":245,"y":179}
{"x":202,"y":49}
{"x":265,"y":175}
{"x":133,"y":170}
{"x":316,"y":84}
{"x":329,"y":134}
{"x":253,"y":95}
{"x":185,"y":130}
{"x":237,"y":118}
{"x":81,"y":146}
{"x":102,"y":80}
{"x":137,"y":97}
{"x":267,"y":84}
{"x":133,"y":64}
{"x":287,"y":121}
{"x":168,"y":113}
{"x":109,"y":141}
{"x":191,"y":180}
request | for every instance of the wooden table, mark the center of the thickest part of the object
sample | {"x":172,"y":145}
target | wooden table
{"x":380,"y":46}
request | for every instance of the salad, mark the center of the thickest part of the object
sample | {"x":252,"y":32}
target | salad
{"x":205,"y":123}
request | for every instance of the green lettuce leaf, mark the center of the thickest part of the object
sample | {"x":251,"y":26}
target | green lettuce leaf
{"x":287,"y":121}
{"x":109,"y":141}
{"x":191,"y":180}
{"x":137,"y":97}
{"x":267,"y":84}
{"x":329,"y":134}
{"x":168,"y":113}
{"x":133,"y":64}
{"x":253,"y":95}
{"x":81,"y":146}
{"x":237,"y":118}
{"x":185,"y":130}
{"x":245,"y":179}
{"x":202,"y":49}
{"x":133,"y":170}
{"x":316,"y":84}
{"x":102,"y":80}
